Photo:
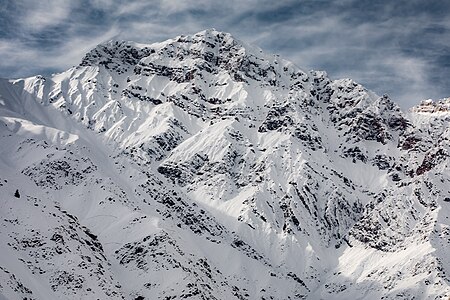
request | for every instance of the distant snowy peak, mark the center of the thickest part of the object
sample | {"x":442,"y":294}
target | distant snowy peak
{"x":429,"y":106}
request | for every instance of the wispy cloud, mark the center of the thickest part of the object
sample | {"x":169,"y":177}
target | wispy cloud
{"x":399,"y":47}
{"x":39,"y":15}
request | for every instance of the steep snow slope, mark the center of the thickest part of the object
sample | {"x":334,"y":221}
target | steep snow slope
{"x":202,"y":168}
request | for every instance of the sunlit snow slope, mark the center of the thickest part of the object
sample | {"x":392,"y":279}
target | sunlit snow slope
{"x":202,"y":168}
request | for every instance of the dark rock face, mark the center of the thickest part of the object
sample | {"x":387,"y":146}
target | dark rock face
{"x":431,"y":160}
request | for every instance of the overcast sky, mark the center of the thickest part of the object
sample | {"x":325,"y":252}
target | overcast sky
{"x":398,"y":47}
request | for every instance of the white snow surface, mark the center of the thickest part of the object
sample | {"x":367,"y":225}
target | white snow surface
{"x":202,"y":168}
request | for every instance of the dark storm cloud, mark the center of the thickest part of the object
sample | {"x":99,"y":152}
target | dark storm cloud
{"x":397,"y":47}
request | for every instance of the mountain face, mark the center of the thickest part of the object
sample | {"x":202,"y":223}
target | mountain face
{"x":202,"y":168}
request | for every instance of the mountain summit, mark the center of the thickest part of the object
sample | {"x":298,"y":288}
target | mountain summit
{"x":202,"y":168}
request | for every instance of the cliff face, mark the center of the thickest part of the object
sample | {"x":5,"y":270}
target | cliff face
{"x":202,"y":168}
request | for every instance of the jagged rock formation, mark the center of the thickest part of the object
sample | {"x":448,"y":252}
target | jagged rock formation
{"x":202,"y":168}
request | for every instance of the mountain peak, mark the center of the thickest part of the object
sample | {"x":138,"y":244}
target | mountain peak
{"x":210,"y":38}
{"x":212,"y":33}
{"x":201,"y":168}
{"x":209,"y":50}
{"x":430,"y":106}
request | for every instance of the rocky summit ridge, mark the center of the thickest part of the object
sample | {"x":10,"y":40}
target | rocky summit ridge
{"x":202,"y":168}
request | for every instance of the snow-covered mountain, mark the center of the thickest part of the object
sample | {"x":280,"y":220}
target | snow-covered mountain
{"x":202,"y":168}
